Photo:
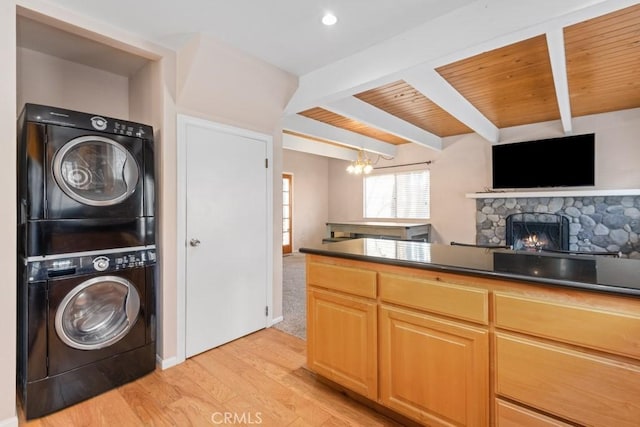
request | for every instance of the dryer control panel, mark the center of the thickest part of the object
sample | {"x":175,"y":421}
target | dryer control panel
{"x":65,"y":265}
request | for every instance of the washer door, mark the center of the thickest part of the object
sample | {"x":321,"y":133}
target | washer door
{"x":97,"y":313}
{"x":95,"y":171}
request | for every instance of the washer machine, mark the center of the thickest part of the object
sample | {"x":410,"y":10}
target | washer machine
{"x":81,"y":177}
{"x":86,"y":324}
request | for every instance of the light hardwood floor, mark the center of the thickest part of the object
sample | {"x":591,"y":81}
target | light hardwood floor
{"x":259,"y":379}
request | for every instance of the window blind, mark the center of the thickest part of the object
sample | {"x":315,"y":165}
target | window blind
{"x":397,"y":195}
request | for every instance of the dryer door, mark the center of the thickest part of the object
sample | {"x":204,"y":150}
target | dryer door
{"x":96,"y":171}
{"x":97,"y":313}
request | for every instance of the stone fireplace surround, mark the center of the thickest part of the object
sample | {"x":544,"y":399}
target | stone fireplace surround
{"x":600,"y":220}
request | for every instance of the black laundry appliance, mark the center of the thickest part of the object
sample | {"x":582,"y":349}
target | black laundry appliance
{"x":86,"y":324}
{"x":85,"y":182}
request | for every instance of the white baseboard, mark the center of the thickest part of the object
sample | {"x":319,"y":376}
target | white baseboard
{"x":163,"y":364}
{"x":275,"y":320}
{"x":10,"y":422}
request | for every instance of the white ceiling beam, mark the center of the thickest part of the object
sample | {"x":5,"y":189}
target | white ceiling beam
{"x":555,"y":44}
{"x":306,"y":126}
{"x":298,"y":143}
{"x":432,"y":85}
{"x":363,"y":112}
{"x":459,"y":34}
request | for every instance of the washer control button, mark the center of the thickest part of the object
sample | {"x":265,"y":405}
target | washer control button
{"x":101,"y":263}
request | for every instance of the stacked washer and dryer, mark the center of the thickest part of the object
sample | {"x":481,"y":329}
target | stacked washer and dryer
{"x":86,"y":256}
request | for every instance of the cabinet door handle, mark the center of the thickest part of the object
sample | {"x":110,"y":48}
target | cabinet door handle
{"x":194,"y":242}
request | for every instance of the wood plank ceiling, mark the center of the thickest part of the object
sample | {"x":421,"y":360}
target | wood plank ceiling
{"x":402,"y":100}
{"x":337,"y":120}
{"x":514,"y":85}
{"x":511,"y":86}
{"x":603,"y":62}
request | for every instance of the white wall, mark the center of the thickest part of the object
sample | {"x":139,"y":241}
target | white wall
{"x":48,"y":80}
{"x":310,"y":196}
{"x":464,"y":166}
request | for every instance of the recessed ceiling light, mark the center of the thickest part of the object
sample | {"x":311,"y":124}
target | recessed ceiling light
{"x":329,"y":19}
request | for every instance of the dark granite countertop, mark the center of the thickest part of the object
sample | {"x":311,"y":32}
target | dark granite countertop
{"x":598,"y":273}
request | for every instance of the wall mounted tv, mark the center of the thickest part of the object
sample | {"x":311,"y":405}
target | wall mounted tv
{"x":556,"y":162}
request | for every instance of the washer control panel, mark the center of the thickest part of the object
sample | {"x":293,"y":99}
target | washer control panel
{"x":91,"y":122}
{"x":54,"y":266}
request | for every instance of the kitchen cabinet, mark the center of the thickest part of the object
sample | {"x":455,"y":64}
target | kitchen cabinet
{"x":342,"y":327}
{"x":447,"y":349}
{"x":578,"y":360}
{"x":434,"y":367}
{"x":433,"y":370}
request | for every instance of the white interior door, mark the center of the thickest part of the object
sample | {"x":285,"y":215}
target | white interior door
{"x":226,"y":233}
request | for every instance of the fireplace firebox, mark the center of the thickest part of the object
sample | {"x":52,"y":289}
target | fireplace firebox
{"x":536,"y":231}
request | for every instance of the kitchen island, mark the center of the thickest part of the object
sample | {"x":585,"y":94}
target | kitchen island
{"x":453,"y":335}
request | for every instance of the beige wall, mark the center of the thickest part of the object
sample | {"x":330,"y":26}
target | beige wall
{"x":221,"y":84}
{"x":149,"y":104}
{"x":8,"y":214}
{"x":310,"y":196}
{"x":458,"y":169}
{"x":464,"y":166}
{"x":48,"y":80}
{"x":617,"y":148}
{"x":345,"y":193}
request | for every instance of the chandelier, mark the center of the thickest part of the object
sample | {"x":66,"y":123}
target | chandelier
{"x":360,"y":166}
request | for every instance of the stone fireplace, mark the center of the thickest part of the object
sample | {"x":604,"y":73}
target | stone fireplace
{"x":596,"y":223}
{"x":532,"y":230}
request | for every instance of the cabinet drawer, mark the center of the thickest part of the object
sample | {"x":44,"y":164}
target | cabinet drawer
{"x":351,"y":280}
{"x":435,"y":296}
{"x":609,"y":331}
{"x":510,"y":415}
{"x":573,"y":385}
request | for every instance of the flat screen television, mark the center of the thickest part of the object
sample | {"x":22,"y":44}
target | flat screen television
{"x":556,"y":162}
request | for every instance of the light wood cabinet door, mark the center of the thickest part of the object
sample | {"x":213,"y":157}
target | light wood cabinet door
{"x":341,"y":340}
{"x":578,"y":386}
{"x":433,"y":370}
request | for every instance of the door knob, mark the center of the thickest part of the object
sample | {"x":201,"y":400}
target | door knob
{"x":194,"y":242}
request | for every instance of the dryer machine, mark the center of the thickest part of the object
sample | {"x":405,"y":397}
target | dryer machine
{"x":86,"y":182}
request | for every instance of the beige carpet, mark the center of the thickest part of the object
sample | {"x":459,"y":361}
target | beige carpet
{"x":294,"y":296}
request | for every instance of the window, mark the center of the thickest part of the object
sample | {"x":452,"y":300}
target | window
{"x":397,"y":195}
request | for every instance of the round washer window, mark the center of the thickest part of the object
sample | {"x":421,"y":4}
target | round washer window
{"x":97,"y":313}
{"x":95,"y":171}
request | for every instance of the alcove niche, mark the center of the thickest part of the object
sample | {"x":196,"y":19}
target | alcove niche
{"x":63,"y":65}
